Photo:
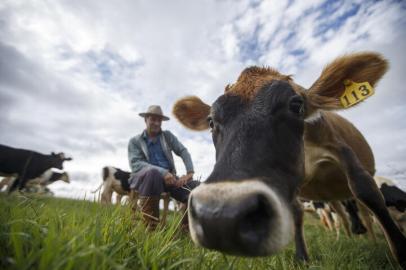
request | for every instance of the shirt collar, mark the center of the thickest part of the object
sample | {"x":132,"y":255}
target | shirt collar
{"x":145,"y":135}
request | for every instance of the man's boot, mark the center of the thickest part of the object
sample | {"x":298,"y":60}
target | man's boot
{"x":149,"y":207}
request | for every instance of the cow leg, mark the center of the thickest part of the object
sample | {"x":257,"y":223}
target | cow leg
{"x":337,"y":225}
{"x":118,"y":198}
{"x":300,"y":244}
{"x":14,"y":185}
{"x":165,"y":197}
{"x":134,"y":201}
{"x":7,"y":182}
{"x":108,"y":189}
{"x":357,"y":226}
{"x":364,"y":188}
{"x":367,"y":220}
{"x":107,"y":194}
{"x":3,"y":183}
{"x":328,"y":219}
{"x":337,"y":206}
{"x":323,"y":219}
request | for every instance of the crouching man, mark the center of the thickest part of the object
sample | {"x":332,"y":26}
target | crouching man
{"x":153,"y":167}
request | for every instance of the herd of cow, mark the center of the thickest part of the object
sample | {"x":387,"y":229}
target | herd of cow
{"x":346,"y":213}
{"x":277,"y":145}
{"x":331,"y":215}
{"x":29,"y":169}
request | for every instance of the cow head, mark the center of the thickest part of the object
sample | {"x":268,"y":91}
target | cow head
{"x":65,"y":177}
{"x":245,"y":206}
{"x":58,"y":159}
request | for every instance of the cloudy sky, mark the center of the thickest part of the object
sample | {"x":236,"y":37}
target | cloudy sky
{"x":75,"y":74}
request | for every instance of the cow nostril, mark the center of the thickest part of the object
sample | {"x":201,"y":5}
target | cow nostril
{"x":254,"y":224}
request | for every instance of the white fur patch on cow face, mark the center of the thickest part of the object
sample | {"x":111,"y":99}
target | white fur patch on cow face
{"x":313,"y":117}
{"x":218,"y":198}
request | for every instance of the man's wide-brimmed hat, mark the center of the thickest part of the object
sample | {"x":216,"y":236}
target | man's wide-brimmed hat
{"x":155,"y":110}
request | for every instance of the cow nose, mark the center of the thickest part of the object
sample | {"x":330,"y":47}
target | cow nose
{"x":237,"y":226}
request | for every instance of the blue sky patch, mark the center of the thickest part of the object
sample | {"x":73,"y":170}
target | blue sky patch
{"x":334,"y":24}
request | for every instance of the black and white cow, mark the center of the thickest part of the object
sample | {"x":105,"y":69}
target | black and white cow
{"x":48,"y":178}
{"x":116,"y":180}
{"x":40,"y":183}
{"x":27,"y":164}
{"x":395,"y":200}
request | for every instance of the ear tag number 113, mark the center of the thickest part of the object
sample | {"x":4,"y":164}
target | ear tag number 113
{"x":355,"y":93}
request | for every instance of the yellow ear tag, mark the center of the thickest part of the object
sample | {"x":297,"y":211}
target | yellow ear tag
{"x":355,"y":93}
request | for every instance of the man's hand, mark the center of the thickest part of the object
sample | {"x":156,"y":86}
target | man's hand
{"x":170,"y":179}
{"x":184,"y":179}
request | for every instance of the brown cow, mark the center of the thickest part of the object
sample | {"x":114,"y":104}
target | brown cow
{"x":276,"y":141}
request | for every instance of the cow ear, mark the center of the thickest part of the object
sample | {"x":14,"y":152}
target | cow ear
{"x":361,"y":67}
{"x":192,"y":112}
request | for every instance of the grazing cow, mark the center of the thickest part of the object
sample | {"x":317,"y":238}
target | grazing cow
{"x":47,"y":178}
{"x":116,"y":180}
{"x":332,"y":217}
{"x":328,"y":217}
{"x":275,"y":141}
{"x":27,"y":164}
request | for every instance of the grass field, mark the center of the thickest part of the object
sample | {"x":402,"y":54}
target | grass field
{"x":54,"y":233}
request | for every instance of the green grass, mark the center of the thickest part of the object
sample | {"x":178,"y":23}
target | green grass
{"x":54,"y":233}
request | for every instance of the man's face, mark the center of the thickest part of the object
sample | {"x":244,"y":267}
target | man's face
{"x":153,"y":124}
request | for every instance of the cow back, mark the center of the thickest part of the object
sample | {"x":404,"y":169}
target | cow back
{"x":123,"y":176}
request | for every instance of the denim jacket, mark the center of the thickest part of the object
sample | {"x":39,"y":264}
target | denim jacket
{"x":139,"y":159}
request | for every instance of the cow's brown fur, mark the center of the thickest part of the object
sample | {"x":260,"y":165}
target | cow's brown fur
{"x":187,"y":111}
{"x":358,"y":67}
{"x":254,"y":78}
{"x":336,"y":153}
{"x":324,"y":178}
{"x":323,"y":172}
{"x":326,"y":91}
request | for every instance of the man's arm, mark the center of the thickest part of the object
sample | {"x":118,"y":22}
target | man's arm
{"x":179,"y":149}
{"x":137,"y":159}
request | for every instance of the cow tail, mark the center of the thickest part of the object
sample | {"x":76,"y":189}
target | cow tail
{"x":98,"y":188}
{"x":105,"y":173}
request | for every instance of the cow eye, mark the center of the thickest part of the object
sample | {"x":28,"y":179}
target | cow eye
{"x":211,"y":122}
{"x":296,"y":105}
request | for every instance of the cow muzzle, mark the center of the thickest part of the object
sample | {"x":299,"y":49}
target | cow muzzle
{"x":246,"y":218}
{"x":65,"y":177}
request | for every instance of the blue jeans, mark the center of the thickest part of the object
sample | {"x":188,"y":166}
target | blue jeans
{"x":150,"y":182}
